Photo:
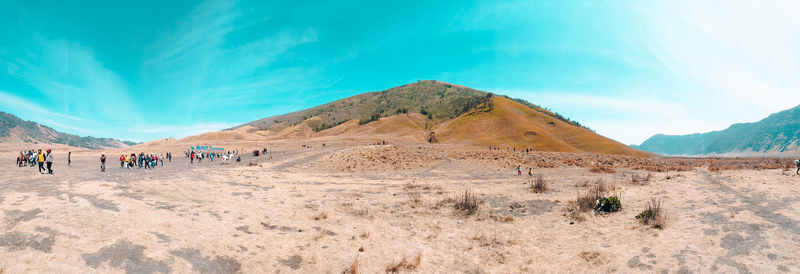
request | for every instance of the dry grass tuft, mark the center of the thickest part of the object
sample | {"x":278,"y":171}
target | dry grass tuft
{"x":586,"y":200}
{"x":592,"y":257}
{"x":415,"y":200}
{"x":538,"y":185}
{"x":353,"y":269}
{"x":321,"y":216}
{"x":411,"y":186}
{"x":405,"y":265}
{"x":508,"y":219}
{"x":603,"y":169}
{"x":467,"y":202}
{"x":653,"y":214}
{"x":493,"y":241}
{"x":641,"y":180}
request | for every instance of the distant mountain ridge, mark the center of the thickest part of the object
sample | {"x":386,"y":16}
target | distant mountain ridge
{"x":13,"y":129}
{"x":777,"y":134}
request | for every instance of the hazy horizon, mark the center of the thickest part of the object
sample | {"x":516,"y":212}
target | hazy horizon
{"x":628,"y":71}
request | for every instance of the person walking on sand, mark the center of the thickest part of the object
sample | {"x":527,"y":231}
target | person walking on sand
{"x":40,"y":160}
{"x":797,"y":163}
{"x":530,"y":172}
{"x":102,"y":162}
{"x":519,"y":169}
{"x":191,"y":158}
{"x":49,"y":160}
{"x":69,"y":158}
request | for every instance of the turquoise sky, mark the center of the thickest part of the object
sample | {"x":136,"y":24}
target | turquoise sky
{"x":145,"y":70}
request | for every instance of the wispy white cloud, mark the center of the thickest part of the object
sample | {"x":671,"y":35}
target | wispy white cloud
{"x":70,"y":77}
{"x":740,"y":57}
{"x":195,"y":61}
{"x":679,"y":67}
{"x":27,"y":107}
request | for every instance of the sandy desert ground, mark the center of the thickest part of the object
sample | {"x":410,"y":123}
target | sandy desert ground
{"x":373,"y":209}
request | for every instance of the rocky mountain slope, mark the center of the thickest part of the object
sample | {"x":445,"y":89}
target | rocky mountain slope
{"x":777,"y":134}
{"x":18,"y":131}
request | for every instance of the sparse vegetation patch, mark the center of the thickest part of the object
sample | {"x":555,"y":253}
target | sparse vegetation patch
{"x":405,"y":265}
{"x":538,"y":185}
{"x":653,"y":215}
{"x":467,"y":202}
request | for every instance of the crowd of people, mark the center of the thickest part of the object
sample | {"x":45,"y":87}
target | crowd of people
{"x":147,"y":161}
{"x":44,"y":159}
{"x":199,"y":155}
{"x":32,"y":158}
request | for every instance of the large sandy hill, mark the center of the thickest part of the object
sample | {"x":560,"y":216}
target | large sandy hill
{"x":509,"y":123}
{"x":456,"y":114}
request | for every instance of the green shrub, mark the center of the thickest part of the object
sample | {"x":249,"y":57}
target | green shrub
{"x":608,"y":204}
{"x":653,"y":215}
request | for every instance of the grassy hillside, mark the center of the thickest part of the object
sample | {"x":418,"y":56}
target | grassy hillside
{"x":457,"y":114}
{"x":433,"y":99}
{"x":505,"y":122}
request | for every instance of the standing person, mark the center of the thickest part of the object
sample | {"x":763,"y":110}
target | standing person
{"x":122,"y":161}
{"x":191,"y":160}
{"x":49,"y":160}
{"x":102,"y":162}
{"x":40,"y":160}
{"x":530,"y":172}
{"x":69,"y":158}
{"x":797,"y":163}
{"x":519,"y":169}
{"x":161,"y":159}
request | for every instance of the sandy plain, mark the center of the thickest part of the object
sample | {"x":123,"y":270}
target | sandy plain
{"x":357,"y":206}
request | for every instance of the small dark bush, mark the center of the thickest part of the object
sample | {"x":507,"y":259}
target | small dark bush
{"x":608,"y":204}
{"x":603,"y":169}
{"x":374,"y":117}
{"x":641,"y":180}
{"x":467,"y":203}
{"x":587,"y":200}
{"x":405,"y":265}
{"x":653,"y":215}
{"x":539,"y":185}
